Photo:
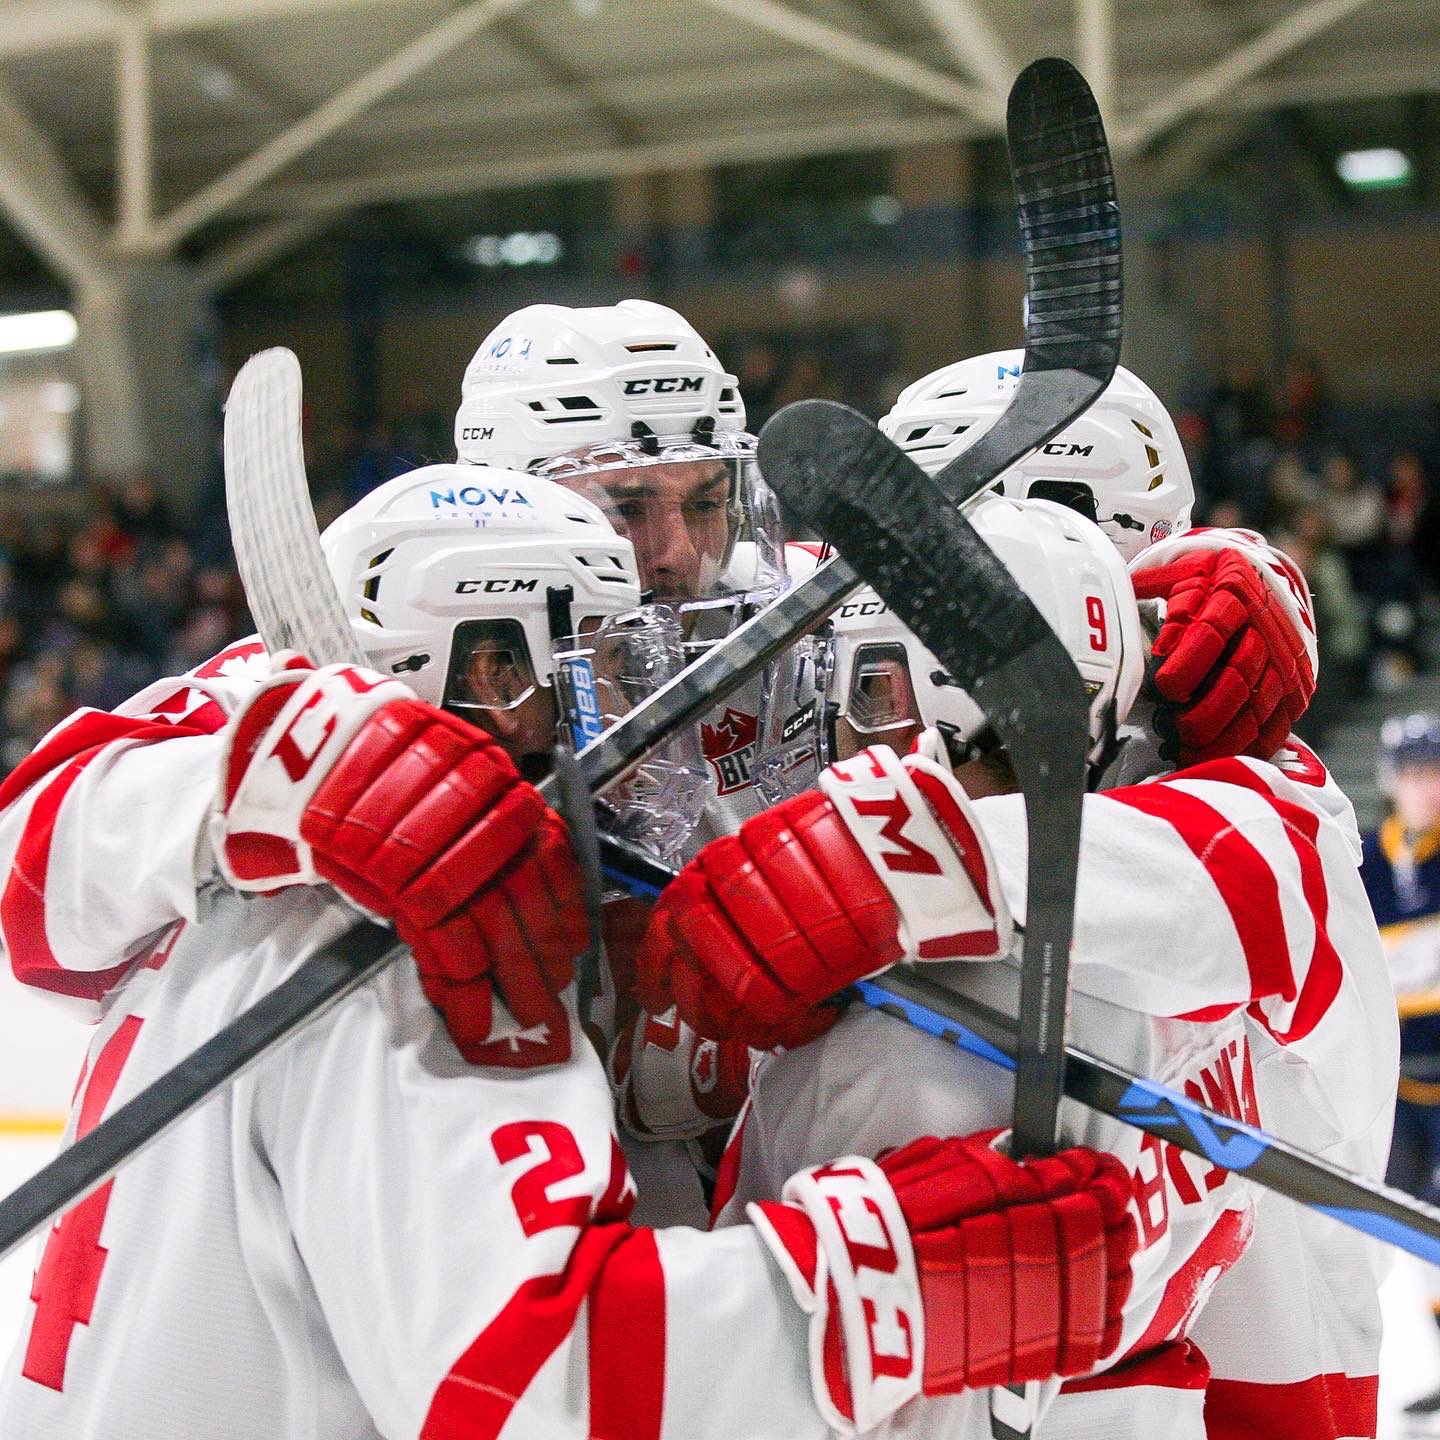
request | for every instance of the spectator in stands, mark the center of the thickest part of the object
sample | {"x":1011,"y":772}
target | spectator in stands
{"x":1401,"y":870}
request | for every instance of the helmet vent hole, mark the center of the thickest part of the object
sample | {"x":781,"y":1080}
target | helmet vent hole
{"x":951,"y":394}
{"x":577,"y":402}
{"x":382,"y":557}
{"x":369,"y":615}
{"x":1157,"y":482}
{"x":562,"y":360}
{"x":1153,"y":456}
{"x":371,"y":588}
{"x":537,"y":404}
{"x":642,"y":347}
{"x":1143,"y":429}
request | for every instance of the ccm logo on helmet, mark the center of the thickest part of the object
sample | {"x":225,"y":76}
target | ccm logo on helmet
{"x":1057,"y":447}
{"x":666,"y":385}
{"x":477,"y":432}
{"x":494,"y":587}
{"x":862,"y":607}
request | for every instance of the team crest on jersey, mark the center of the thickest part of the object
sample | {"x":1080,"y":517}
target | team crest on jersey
{"x":730,"y":749}
{"x":1159,"y":531}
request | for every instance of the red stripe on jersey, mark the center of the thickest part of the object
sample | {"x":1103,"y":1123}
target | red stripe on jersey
{"x":627,"y":1343}
{"x":1177,"y":1365}
{"x":1222,"y":1246}
{"x":1238,"y":871}
{"x":1325,"y":972}
{"x":88,"y":731}
{"x":22,"y":905}
{"x":1319,"y":1408}
{"x":727,"y":1172}
{"x":474,"y":1401}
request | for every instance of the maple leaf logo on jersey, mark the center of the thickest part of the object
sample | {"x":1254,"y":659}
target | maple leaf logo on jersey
{"x":730,"y":749}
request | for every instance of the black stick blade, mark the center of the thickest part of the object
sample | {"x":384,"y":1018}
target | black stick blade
{"x":1070,"y":232}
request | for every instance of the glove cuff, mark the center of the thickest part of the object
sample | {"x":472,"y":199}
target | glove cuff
{"x":279,"y":747}
{"x":915,"y":826}
{"x":851,"y":1268}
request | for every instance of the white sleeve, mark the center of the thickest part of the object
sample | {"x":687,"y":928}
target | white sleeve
{"x":465,"y":1233}
{"x":102,"y":829}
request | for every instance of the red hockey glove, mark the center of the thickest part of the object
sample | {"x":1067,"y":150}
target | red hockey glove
{"x":884,"y":861}
{"x":1234,"y":664}
{"x":946,"y":1266}
{"x":672,"y":1084}
{"x":341,"y":775}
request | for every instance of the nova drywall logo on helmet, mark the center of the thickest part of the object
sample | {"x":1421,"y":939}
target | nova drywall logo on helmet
{"x":506,"y":352}
{"x":665,"y":385}
{"x":476,"y":497}
{"x":730,"y":749}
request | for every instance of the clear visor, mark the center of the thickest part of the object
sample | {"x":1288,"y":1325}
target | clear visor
{"x":794,"y":740}
{"x":490,"y":667}
{"x":601,"y":675}
{"x":880,"y":706}
{"x":703,"y":524}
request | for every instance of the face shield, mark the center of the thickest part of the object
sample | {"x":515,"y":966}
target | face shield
{"x":794,"y":738}
{"x":601,"y":674}
{"x":705,"y":528}
{"x":594,"y":678}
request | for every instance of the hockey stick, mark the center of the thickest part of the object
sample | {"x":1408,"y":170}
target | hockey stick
{"x":1070,"y":231}
{"x":1365,"y":1205}
{"x":946,"y":584}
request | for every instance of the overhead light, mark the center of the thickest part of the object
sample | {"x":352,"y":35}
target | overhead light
{"x":216,"y":81}
{"x":519,"y":248}
{"x":36,"y":330}
{"x":1383,"y":168}
{"x":885,"y":209}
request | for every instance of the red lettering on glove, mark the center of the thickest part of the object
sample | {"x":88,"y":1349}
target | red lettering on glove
{"x":1233,"y":671}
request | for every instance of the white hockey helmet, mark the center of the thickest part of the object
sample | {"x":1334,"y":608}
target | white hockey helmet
{"x":551,"y":379}
{"x":1121,"y":463}
{"x":886,"y":687}
{"x":486,"y":588}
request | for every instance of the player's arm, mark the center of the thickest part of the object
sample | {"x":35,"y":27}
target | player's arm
{"x":102,"y":829}
{"x":1235,"y":662}
{"x":466,"y":1235}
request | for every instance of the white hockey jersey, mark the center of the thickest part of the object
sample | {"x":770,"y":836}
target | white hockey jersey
{"x":1212,"y":912}
{"x":365,"y":1236}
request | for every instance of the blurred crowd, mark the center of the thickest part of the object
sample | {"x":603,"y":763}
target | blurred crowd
{"x":98,"y":597}
{"x":102,"y":589}
{"x":1353,"y":497}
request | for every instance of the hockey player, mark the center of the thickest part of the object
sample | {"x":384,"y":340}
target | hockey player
{"x":1401,"y":870}
{"x":629,"y":406}
{"x":1234,"y":665}
{"x":1240,"y":898}
{"x":368,"y":1235}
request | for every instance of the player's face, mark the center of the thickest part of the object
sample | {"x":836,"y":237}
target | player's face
{"x":1417,"y":797}
{"x":677,"y":517}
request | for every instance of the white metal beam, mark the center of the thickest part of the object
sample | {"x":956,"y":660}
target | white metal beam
{"x":973,"y":43}
{"x":133,"y":132}
{"x":228,"y":264}
{"x":477,"y":177}
{"x":421,"y":53}
{"x":40,"y":201}
{"x":851,"y":51}
{"x":1214,"y":82}
{"x":1095,"y":48}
